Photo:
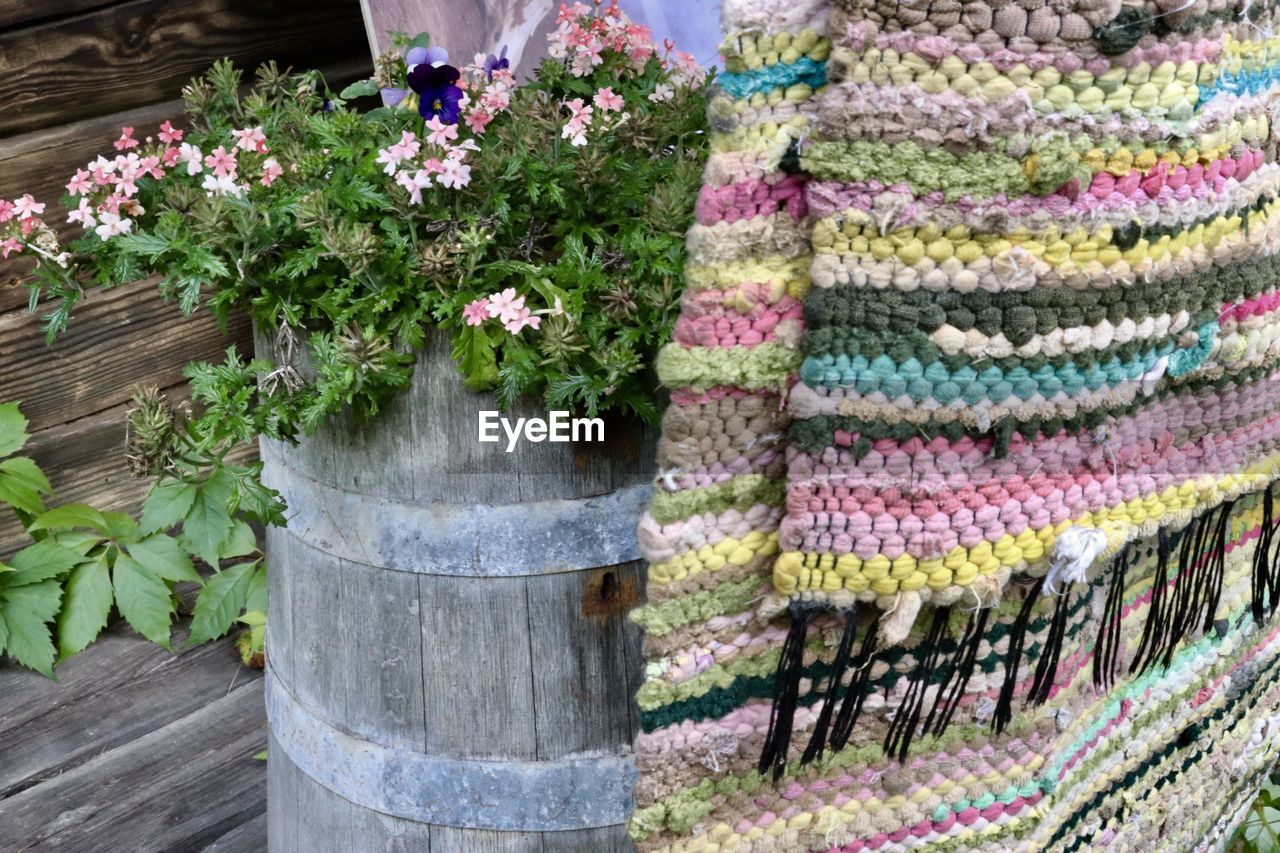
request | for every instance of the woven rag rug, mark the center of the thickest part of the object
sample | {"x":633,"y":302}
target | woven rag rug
{"x":963,"y":536}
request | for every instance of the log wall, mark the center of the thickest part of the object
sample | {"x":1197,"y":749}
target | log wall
{"x":72,"y":73}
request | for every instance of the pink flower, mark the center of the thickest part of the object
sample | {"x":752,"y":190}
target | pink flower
{"x":150,"y":166}
{"x":6,"y":210}
{"x":433,"y":166}
{"x":222,"y":161}
{"x":251,"y":139}
{"x":126,"y":139}
{"x":27,"y":206}
{"x":441,"y":133}
{"x":475,"y":313}
{"x":523,"y":318}
{"x":506,"y":306}
{"x":415,"y":183}
{"x":83,"y":214}
{"x":607,"y":101}
{"x":79,"y":184}
{"x":169,"y":134}
{"x":9,"y":246}
{"x":270,"y":171}
{"x":455,"y":174}
{"x":478,"y":119}
{"x":407,"y":147}
{"x":170,"y":158}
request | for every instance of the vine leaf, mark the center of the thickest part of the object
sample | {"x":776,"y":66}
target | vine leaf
{"x":166,"y":505}
{"x":26,"y":612}
{"x":206,"y":527}
{"x":143,"y":599}
{"x":221,"y":601}
{"x":86,"y":606}
{"x":163,"y":557}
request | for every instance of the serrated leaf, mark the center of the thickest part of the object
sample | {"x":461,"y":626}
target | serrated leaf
{"x":25,"y":471}
{"x":207,"y":526}
{"x":473,"y":353}
{"x":71,"y":516}
{"x":242,"y":541}
{"x":121,"y":526}
{"x":39,"y":562}
{"x":80,"y":541}
{"x":19,"y":496}
{"x":13,"y":429}
{"x":27,"y":612}
{"x":143,"y":600}
{"x":257,"y":600}
{"x":359,"y":89}
{"x":86,"y":606}
{"x":166,"y":505}
{"x":164,"y":557}
{"x":145,"y":245}
{"x":220,"y":602}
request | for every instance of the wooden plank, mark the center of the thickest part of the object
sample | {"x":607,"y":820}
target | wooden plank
{"x":248,"y":837}
{"x":318,"y":631}
{"x":85,"y":461}
{"x":372,"y":830}
{"x":605,"y":839}
{"x":382,"y":659}
{"x":118,"y":338}
{"x":144,"y":51}
{"x":476,"y":662}
{"x":146,"y":788}
{"x":579,"y":637}
{"x":452,"y":838}
{"x":91,"y":722}
{"x":15,"y":13}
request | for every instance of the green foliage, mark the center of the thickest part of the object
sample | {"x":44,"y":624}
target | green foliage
{"x":1260,"y":832}
{"x":58,"y":592}
{"x":352,"y":275}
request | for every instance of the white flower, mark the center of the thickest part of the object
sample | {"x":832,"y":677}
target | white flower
{"x":112,"y":225}
{"x":662,"y":92}
{"x":191,"y":155}
{"x":225,"y":185}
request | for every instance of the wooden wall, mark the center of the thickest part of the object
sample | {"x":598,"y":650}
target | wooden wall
{"x":72,"y":72}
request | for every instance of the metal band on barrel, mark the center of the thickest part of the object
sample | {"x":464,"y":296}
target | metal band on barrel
{"x":467,"y":540}
{"x":515,"y":796}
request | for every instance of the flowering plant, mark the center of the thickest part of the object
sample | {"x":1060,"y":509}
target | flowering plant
{"x":540,"y":222}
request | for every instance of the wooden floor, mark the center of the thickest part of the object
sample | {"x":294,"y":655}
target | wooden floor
{"x":134,"y":750}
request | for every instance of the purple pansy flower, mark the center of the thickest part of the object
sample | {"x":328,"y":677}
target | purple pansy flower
{"x":415,"y":56}
{"x":493,"y":63}
{"x":438,"y":93}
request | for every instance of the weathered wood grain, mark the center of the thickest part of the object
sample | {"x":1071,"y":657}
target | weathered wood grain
{"x":118,"y":338}
{"x":248,"y":837}
{"x":89,"y":722}
{"x":143,"y":51}
{"x":144,"y":789}
{"x":15,"y":13}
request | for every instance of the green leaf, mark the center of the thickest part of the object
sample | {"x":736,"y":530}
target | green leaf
{"x":121,"y":526}
{"x":164,"y":557}
{"x":18,"y":495}
{"x":146,"y":245}
{"x":359,"y":89}
{"x":257,"y":600}
{"x":220,"y":602}
{"x":86,"y":606}
{"x":26,"y":472}
{"x":13,"y":429}
{"x":72,"y":516}
{"x":473,"y":353}
{"x":27,"y":612}
{"x":420,"y":40}
{"x":39,"y":562}
{"x":80,"y":541}
{"x":207,"y":526}
{"x":166,"y":505}
{"x":241,"y":542}
{"x":260,"y":756}
{"x":143,"y":600}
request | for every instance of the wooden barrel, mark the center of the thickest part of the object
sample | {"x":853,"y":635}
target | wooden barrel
{"x":450,"y":665}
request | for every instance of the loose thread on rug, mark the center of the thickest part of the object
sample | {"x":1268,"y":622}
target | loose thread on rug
{"x":906,"y":720}
{"x":1154,"y":629}
{"x":786,"y":693}
{"x":1263,"y":591}
{"x":839,"y":665}
{"x":1107,"y":646}
{"x":1047,"y":664}
{"x":957,"y":679}
{"x":856,"y":693}
{"x":1013,"y":658}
